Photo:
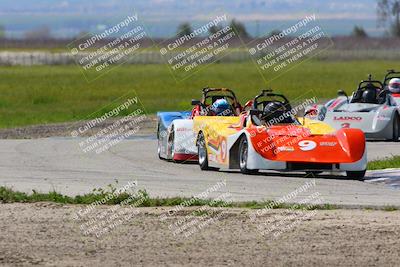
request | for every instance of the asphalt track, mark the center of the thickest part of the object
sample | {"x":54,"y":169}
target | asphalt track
{"x":59,"y":164}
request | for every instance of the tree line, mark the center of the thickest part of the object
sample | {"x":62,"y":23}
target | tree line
{"x":388,"y":17}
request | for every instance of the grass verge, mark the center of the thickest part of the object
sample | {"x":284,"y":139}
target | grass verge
{"x":391,"y":162}
{"x":52,"y":94}
{"x":8,"y":195}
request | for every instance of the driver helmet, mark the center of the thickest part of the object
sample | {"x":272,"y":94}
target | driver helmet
{"x":394,"y":85}
{"x":221,"y":107}
{"x":275,"y":112}
{"x":369,"y":96}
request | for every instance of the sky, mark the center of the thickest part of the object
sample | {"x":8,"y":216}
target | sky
{"x":69,"y":17}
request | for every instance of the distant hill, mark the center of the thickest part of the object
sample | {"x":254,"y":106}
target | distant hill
{"x":67,"y":18}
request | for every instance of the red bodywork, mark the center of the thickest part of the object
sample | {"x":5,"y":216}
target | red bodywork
{"x":185,"y":157}
{"x":295,"y":143}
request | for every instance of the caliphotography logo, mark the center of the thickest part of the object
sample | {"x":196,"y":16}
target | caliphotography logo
{"x":100,"y":52}
{"x":277,"y":52}
{"x":121,"y":119}
{"x":193,"y":50}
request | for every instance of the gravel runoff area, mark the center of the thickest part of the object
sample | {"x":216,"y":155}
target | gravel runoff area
{"x":48,"y":234}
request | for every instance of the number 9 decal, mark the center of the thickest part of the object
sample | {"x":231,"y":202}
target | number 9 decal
{"x":307,"y":145}
{"x":223,"y":150}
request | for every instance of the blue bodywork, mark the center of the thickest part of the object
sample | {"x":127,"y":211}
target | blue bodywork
{"x":166,"y":118}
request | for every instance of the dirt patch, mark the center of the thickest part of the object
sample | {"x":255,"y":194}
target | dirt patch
{"x":46,"y":234}
{"x":147,"y":127}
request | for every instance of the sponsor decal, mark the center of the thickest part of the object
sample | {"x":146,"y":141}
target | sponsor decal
{"x":383,"y":118}
{"x":307,"y":145}
{"x":285,"y":149}
{"x":212,"y":157}
{"x":327,"y":143}
{"x":347,"y":118}
{"x":182,"y":129}
{"x":346,"y":125}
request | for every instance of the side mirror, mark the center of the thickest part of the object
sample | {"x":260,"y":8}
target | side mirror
{"x":195,"y":102}
{"x":308,"y":112}
{"x":248,"y":104}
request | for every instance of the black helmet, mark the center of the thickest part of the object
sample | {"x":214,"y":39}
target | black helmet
{"x":369,"y":96}
{"x":275,"y":112}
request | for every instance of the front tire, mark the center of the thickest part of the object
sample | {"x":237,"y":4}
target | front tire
{"x":396,"y":128}
{"x":356,"y":175}
{"x":202,"y":152}
{"x":243,"y":156}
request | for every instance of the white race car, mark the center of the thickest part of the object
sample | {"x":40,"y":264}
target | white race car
{"x":371,"y":108}
{"x":176,"y":140}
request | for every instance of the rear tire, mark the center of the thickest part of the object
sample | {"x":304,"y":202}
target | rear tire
{"x":356,"y":175}
{"x":202,"y":152}
{"x":243,"y":156}
{"x":396,"y":128}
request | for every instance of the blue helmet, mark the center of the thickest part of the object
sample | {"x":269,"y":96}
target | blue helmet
{"x":221,"y":107}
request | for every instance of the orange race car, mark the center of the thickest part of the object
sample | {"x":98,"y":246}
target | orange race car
{"x":271,"y":137}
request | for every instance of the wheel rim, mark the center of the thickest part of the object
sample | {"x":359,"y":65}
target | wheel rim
{"x":243,"y":155}
{"x":202,"y":152}
{"x":159,"y":147}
